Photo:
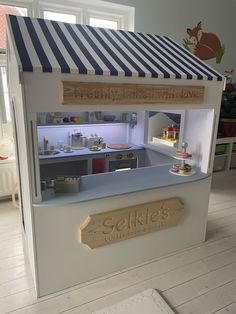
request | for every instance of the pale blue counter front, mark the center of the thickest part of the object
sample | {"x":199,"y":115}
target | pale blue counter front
{"x":117,"y":183}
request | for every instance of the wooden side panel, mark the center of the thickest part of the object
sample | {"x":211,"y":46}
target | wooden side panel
{"x":79,"y":93}
{"x":125,"y":223}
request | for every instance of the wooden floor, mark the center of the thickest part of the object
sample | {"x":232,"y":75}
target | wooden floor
{"x":198,"y":280}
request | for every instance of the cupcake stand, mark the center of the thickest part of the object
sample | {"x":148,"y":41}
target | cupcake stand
{"x":182,"y":168}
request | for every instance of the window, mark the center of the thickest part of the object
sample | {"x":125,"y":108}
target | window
{"x":4,"y":97}
{"x":60,"y":13}
{"x":98,"y":14}
{"x":60,"y":17}
{"x":93,"y":21}
{"x":6,"y":131}
{"x":6,"y":9}
{"x":106,"y":19}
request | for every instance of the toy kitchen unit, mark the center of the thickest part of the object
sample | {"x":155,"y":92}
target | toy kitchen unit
{"x":86,"y":148}
{"x":86,"y":102}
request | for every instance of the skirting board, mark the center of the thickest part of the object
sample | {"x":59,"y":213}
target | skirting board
{"x":148,"y":301}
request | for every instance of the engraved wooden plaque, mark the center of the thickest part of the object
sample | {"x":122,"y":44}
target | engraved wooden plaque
{"x":125,"y":223}
{"x":82,"y":93}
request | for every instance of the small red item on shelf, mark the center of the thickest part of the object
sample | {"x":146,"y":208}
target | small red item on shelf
{"x":227,"y":126}
{"x":3,"y":157}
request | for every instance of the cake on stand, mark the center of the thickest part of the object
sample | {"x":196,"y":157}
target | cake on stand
{"x":182,"y":168}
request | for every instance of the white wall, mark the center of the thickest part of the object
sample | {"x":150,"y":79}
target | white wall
{"x":172,"y":18}
{"x":156,"y":125}
{"x":198,"y":131}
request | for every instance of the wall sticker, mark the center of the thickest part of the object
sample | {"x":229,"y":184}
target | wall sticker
{"x":204,"y":45}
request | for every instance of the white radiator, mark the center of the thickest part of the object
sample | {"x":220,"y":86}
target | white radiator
{"x":8,"y":178}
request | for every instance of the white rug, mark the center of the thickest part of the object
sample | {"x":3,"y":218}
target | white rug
{"x":146,"y":302}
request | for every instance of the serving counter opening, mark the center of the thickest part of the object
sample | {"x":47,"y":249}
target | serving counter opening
{"x":84,"y":148}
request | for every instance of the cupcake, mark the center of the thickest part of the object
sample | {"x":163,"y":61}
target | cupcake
{"x":175,"y":168}
{"x":179,"y":153}
{"x":182,"y":170}
{"x":182,"y":154}
{"x":187,"y":167}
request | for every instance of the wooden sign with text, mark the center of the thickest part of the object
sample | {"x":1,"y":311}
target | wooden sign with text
{"x":125,"y":223}
{"x":81,"y":93}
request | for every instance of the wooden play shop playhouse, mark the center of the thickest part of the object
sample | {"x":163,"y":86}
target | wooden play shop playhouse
{"x":115,"y":219}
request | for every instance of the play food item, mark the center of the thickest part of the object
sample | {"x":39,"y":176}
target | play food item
{"x":187,"y":167}
{"x":67,"y":149}
{"x":182,"y":170}
{"x":182,"y":154}
{"x":119,"y":146}
{"x":66,"y":120}
{"x":3,"y":157}
{"x":95,"y":147}
{"x":77,"y":119}
{"x":175,"y":168}
{"x":67,"y":184}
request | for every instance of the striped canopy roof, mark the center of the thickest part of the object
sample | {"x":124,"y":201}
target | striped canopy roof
{"x":50,"y":46}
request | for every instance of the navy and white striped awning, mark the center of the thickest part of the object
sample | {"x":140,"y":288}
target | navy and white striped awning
{"x":51,"y":46}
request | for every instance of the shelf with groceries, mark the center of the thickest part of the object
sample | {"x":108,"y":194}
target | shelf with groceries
{"x":78,"y":118}
{"x":225,"y":148}
{"x":225,"y":154}
{"x":87,"y":149}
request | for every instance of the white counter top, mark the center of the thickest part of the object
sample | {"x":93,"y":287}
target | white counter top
{"x":117,"y":183}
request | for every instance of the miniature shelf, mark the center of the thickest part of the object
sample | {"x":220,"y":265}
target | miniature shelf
{"x":226,"y":161}
{"x":158,"y":140}
{"x":222,"y":155}
{"x":78,"y":123}
{"x":161,"y":148}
